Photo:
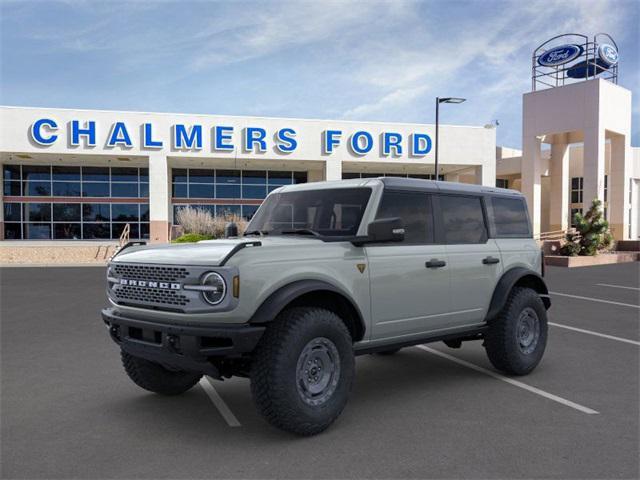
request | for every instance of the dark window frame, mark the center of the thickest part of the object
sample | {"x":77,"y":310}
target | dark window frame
{"x":440,"y":227}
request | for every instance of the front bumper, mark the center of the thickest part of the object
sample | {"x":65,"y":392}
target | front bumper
{"x":179,"y":346}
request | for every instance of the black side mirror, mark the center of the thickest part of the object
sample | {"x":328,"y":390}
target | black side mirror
{"x":384,"y":230}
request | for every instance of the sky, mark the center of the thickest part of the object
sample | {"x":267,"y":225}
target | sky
{"x":345,"y":60}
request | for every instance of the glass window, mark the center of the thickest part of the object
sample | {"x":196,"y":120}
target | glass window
{"x":253,"y":191}
{"x":502,"y":183}
{"x":372,"y":175}
{"x":254,"y":177}
{"x":37,"y":212}
{"x":179,"y":175}
{"x":227,"y":191}
{"x":510,"y":217}
{"x":228,"y":176}
{"x":37,"y":231}
{"x":129,"y":190}
{"x":179,"y":190}
{"x":69,"y":231}
{"x":117,"y":228}
{"x":124,"y":174}
{"x":12,"y":188}
{"x":66,"y":212}
{"x":11,"y":172}
{"x":349,"y":175}
{"x":144,"y":230}
{"x":96,"y":212}
{"x":66,"y":173}
{"x":124,"y":212}
{"x":280,"y":178}
{"x":95,"y":174}
{"x":248,"y":211}
{"x":414,"y":209}
{"x":13,"y":231}
{"x":94,"y":189}
{"x":197,"y":190}
{"x":36,"y":172}
{"x":144,"y":174}
{"x":96,"y":230}
{"x":37,"y":189}
{"x":228,"y":210}
{"x":144,"y":212}
{"x":463,"y":220}
{"x":66,"y":189}
{"x":299,"y":177}
{"x":12,"y":212}
{"x":201,"y":176}
{"x":144,"y":190}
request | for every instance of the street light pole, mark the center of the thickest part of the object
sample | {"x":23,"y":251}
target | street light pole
{"x":438,"y":102}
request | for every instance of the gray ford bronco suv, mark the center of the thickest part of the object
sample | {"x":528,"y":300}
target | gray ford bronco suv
{"x":324,"y":272}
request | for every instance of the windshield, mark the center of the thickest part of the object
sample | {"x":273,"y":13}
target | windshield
{"x":327,"y":212}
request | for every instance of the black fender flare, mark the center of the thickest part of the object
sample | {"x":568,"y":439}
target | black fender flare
{"x":516,"y":275}
{"x":278,"y":300}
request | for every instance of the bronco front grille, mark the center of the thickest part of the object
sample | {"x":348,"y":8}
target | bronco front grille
{"x":151,"y":272}
{"x":133,"y":295}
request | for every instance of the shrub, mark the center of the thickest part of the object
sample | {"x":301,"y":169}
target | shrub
{"x":201,"y":222}
{"x":192,"y":238}
{"x":592,"y":233}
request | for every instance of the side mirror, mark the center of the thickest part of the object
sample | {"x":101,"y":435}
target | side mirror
{"x":384,"y":230}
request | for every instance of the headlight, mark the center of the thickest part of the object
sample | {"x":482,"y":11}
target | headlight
{"x":214,"y":288}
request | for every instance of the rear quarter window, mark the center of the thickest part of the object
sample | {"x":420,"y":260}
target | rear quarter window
{"x":510,"y":218}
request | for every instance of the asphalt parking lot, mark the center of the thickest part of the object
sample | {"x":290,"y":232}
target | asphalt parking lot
{"x":68,"y":410}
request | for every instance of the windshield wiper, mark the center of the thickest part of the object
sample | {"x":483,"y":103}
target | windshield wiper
{"x":301,"y":231}
{"x":256,"y":232}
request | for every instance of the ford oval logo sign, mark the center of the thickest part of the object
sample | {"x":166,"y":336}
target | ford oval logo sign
{"x":560,"y":55}
{"x":608,"y":54}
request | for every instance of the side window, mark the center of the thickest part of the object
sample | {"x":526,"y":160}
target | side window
{"x":414,"y":209}
{"x":462,"y":219}
{"x":510,"y":217}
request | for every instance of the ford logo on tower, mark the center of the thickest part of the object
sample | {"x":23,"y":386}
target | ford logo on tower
{"x":560,"y":55}
{"x":608,"y":54}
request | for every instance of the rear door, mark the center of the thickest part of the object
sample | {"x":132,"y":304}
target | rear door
{"x":410,"y":279}
{"x":474,"y":258}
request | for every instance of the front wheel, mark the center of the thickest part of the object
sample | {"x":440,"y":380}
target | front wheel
{"x":303,"y":370}
{"x":517,"y":337}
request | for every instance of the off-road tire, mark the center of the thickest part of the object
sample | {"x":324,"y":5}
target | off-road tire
{"x":274,"y":373}
{"x":155,"y":378}
{"x":386,"y":353}
{"x":502,"y":341}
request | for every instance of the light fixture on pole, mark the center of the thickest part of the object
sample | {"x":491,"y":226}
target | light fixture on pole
{"x":438,"y":102}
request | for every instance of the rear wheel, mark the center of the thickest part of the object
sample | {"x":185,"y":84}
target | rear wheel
{"x":303,"y":370}
{"x":517,"y":338}
{"x":156,"y":378}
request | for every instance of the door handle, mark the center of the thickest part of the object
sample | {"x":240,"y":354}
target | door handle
{"x":435,"y":263}
{"x":490,"y":260}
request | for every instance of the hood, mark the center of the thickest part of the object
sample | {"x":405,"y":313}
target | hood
{"x":208,"y":252}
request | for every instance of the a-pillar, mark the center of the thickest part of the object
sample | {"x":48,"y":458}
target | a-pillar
{"x":333,"y":169}
{"x":593,"y":166}
{"x":159,"y":198}
{"x":618,"y":188}
{"x":531,"y":173}
{"x":559,"y":202}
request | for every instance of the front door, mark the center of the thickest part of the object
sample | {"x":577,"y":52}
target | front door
{"x":410,"y":279}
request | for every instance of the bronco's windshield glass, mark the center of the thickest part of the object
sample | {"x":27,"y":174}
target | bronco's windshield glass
{"x":326,"y":212}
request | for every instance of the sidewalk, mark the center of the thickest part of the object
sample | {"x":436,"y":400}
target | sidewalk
{"x":55,"y":253}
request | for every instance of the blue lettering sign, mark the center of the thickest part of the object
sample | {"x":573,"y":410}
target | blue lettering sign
{"x":391,"y":140}
{"x":286,"y":142}
{"x":147,"y":138}
{"x":37,"y":134}
{"x":119,"y":136}
{"x":222,"y":135}
{"x":255,"y":136}
{"x":189,"y":139}
{"x":89,"y":131}
{"x":331,"y":140}
{"x":357,"y":146}
{"x":421,"y":144}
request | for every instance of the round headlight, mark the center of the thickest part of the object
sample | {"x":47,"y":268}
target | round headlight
{"x":215,"y":288}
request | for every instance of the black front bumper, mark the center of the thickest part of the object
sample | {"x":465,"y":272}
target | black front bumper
{"x":181,"y":347}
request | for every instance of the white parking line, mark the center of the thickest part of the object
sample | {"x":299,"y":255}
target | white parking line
{"x":227,"y":414}
{"x":511,"y":381}
{"x":590,"y":332}
{"x":595,"y":300}
{"x":617,"y":286}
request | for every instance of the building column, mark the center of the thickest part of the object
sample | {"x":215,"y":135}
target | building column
{"x":486,"y":174}
{"x":531,"y":172}
{"x":593,"y":166}
{"x":618,"y":190}
{"x":333,"y":169}
{"x":315,"y":175}
{"x":159,"y":198}
{"x":559,"y":202}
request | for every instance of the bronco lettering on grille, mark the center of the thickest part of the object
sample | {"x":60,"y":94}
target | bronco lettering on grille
{"x":150,"y":284}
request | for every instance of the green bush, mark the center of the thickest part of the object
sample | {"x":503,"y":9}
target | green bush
{"x":592,"y":233}
{"x":192,"y":238}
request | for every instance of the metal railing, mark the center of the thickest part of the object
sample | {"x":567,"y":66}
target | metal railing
{"x":124,"y":236}
{"x":554,"y":235}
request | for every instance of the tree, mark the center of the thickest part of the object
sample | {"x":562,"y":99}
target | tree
{"x":592,"y":233}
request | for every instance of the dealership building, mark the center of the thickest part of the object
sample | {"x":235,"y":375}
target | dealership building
{"x":86,"y":174}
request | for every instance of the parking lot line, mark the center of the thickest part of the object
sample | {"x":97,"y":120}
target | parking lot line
{"x":590,"y":332}
{"x":617,"y":286}
{"x":595,"y":300}
{"x":225,"y":411}
{"x":511,"y":381}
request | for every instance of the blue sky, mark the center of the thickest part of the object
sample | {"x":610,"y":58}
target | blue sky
{"x":356,"y":60}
